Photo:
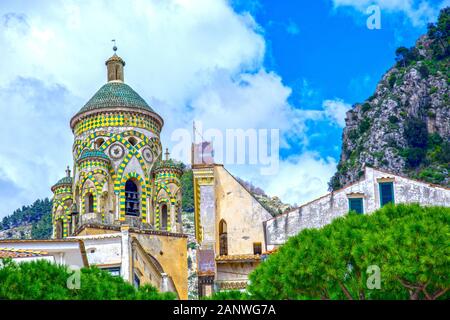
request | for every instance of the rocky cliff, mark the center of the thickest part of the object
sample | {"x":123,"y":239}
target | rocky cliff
{"x":405,"y":126}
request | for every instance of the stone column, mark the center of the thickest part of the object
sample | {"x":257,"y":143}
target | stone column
{"x":126,"y":253}
{"x":173,"y":226}
{"x":117,"y":213}
{"x":164,"y":282}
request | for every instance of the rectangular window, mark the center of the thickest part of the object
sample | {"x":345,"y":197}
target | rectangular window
{"x":114,"y":271}
{"x":257,"y":248}
{"x":356,"y":204}
{"x":386,"y":193}
{"x":137,"y":281}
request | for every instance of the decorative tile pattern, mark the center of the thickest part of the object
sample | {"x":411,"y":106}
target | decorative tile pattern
{"x":115,"y":94}
{"x":132,"y":151}
{"x":66,"y":209}
{"x":117,"y":119}
{"x":87,"y":164}
{"x":62,"y":190}
{"x":153,"y":142}
{"x":92,"y":154}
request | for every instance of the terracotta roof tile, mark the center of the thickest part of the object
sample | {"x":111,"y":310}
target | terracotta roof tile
{"x":239,"y":257}
{"x":20,"y":253}
{"x":233,"y":285}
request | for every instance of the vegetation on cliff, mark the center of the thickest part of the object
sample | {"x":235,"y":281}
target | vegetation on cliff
{"x":37,"y":217}
{"x":405,"y":126}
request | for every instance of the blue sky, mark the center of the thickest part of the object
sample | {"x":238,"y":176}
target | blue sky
{"x":304,"y":63}
{"x":330,"y":51}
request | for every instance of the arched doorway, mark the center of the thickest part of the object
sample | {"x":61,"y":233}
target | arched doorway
{"x":132,"y":199}
{"x":164,"y":217}
{"x":223,"y":238}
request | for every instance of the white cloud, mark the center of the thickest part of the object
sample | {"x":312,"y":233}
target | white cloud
{"x":300,"y":178}
{"x":419,"y":12}
{"x":36,"y":140}
{"x":180,"y":57}
{"x":336,"y":110}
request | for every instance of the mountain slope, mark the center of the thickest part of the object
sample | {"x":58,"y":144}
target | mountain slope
{"x":28,"y":222}
{"x":405,"y":126}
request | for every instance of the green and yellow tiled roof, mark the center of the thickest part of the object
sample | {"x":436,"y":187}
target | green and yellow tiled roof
{"x":63,"y":181}
{"x":168,"y":164}
{"x":115,"y":95}
{"x":92,"y":154}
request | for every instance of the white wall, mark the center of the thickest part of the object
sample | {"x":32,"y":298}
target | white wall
{"x":322,"y":211}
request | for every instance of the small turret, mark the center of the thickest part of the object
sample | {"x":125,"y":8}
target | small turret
{"x":62,"y":201}
{"x":115,"y":66}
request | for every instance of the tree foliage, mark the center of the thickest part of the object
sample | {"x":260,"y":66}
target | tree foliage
{"x":42,"y":280}
{"x":416,"y":133}
{"x":27,"y":214}
{"x":409,"y":243}
{"x":405,"y":56}
{"x":440,"y":34}
{"x":187,"y":187}
{"x":230,"y":295}
{"x":42,"y":229}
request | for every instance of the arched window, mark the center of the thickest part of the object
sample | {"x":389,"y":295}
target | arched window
{"x":132,"y":201}
{"x":223,"y":238}
{"x":132,"y":141}
{"x":164,"y":217}
{"x":99,"y":142}
{"x":89,"y":203}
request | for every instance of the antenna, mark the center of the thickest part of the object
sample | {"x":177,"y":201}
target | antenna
{"x":202,"y":139}
{"x":167,"y":154}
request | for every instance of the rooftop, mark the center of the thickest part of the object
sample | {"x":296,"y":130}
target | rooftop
{"x":115,"y":95}
{"x":168,"y":164}
{"x":63,"y":181}
{"x":20,"y":253}
{"x":238,"y":258}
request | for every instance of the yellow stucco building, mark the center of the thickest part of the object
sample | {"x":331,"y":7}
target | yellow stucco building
{"x":229,"y":229}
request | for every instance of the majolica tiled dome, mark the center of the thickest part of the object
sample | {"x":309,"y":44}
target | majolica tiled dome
{"x":93,"y":154}
{"x":66,"y":181}
{"x":168,"y":164}
{"x":115,"y":94}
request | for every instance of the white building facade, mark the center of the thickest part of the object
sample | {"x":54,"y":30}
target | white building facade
{"x":375,"y":189}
